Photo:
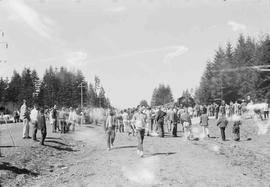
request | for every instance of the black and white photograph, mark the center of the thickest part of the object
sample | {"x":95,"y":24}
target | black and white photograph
{"x":134,"y":93}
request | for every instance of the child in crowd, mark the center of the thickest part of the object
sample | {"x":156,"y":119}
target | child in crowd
{"x":236,"y":129}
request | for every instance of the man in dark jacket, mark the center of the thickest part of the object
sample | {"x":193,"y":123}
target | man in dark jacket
{"x":54,"y":117}
{"x":42,"y":126}
{"x":160,"y":121}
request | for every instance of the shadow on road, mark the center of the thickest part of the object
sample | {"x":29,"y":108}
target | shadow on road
{"x":213,"y":137}
{"x":166,"y":154}
{"x":7,"y":146}
{"x":53,"y":138}
{"x":7,"y":166}
{"x":89,"y":127}
{"x":61,"y":148}
{"x":56,"y":142}
{"x":125,"y":147}
{"x":170,"y":136}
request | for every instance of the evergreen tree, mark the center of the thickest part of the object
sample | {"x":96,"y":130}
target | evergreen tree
{"x":161,"y":95}
{"x":144,"y":103}
{"x":3,"y":89}
{"x":27,"y":87}
{"x":14,"y":88}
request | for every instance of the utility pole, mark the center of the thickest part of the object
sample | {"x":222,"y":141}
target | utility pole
{"x":2,"y":34}
{"x":81,"y":86}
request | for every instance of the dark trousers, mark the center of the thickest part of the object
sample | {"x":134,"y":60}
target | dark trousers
{"x":63,"y":126}
{"x":152,"y":125}
{"x":266,"y":114}
{"x":34,"y":135}
{"x":110,"y":132}
{"x":43,"y":135}
{"x":140,"y":137}
{"x":121,"y":128}
{"x":161,"y":128}
{"x":174,"y":129}
{"x":216,"y":115}
{"x":222,"y":131}
{"x":54,"y":127}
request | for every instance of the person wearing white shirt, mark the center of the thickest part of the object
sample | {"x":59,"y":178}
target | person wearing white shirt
{"x":125,"y":120}
{"x":34,"y":121}
{"x":24,"y":115}
{"x":266,"y":110}
{"x":140,"y":121}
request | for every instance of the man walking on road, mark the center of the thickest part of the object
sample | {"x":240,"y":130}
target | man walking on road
{"x":42,"y":126}
{"x":33,"y":117}
{"x":24,"y":116}
{"x":110,"y":129}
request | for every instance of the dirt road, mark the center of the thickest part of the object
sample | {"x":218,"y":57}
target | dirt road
{"x":81,"y":159}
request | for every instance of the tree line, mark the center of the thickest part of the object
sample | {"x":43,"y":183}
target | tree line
{"x":235,"y":73}
{"x":58,"y":86}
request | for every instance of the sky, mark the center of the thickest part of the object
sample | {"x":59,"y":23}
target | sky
{"x":132,"y":45}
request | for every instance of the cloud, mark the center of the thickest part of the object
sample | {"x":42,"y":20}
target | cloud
{"x":20,"y":11}
{"x":180,"y":50}
{"x":76,"y":58}
{"x":118,"y":9}
{"x":236,"y":27}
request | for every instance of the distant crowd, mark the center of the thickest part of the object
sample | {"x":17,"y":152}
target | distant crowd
{"x":149,"y":121}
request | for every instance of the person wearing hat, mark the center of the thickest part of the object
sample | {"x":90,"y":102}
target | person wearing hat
{"x":139,"y":119}
{"x":222,"y":123}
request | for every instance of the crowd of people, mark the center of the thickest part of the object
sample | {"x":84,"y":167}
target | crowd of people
{"x":63,"y":120}
{"x":140,"y":121}
{"x":149,"y":121}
